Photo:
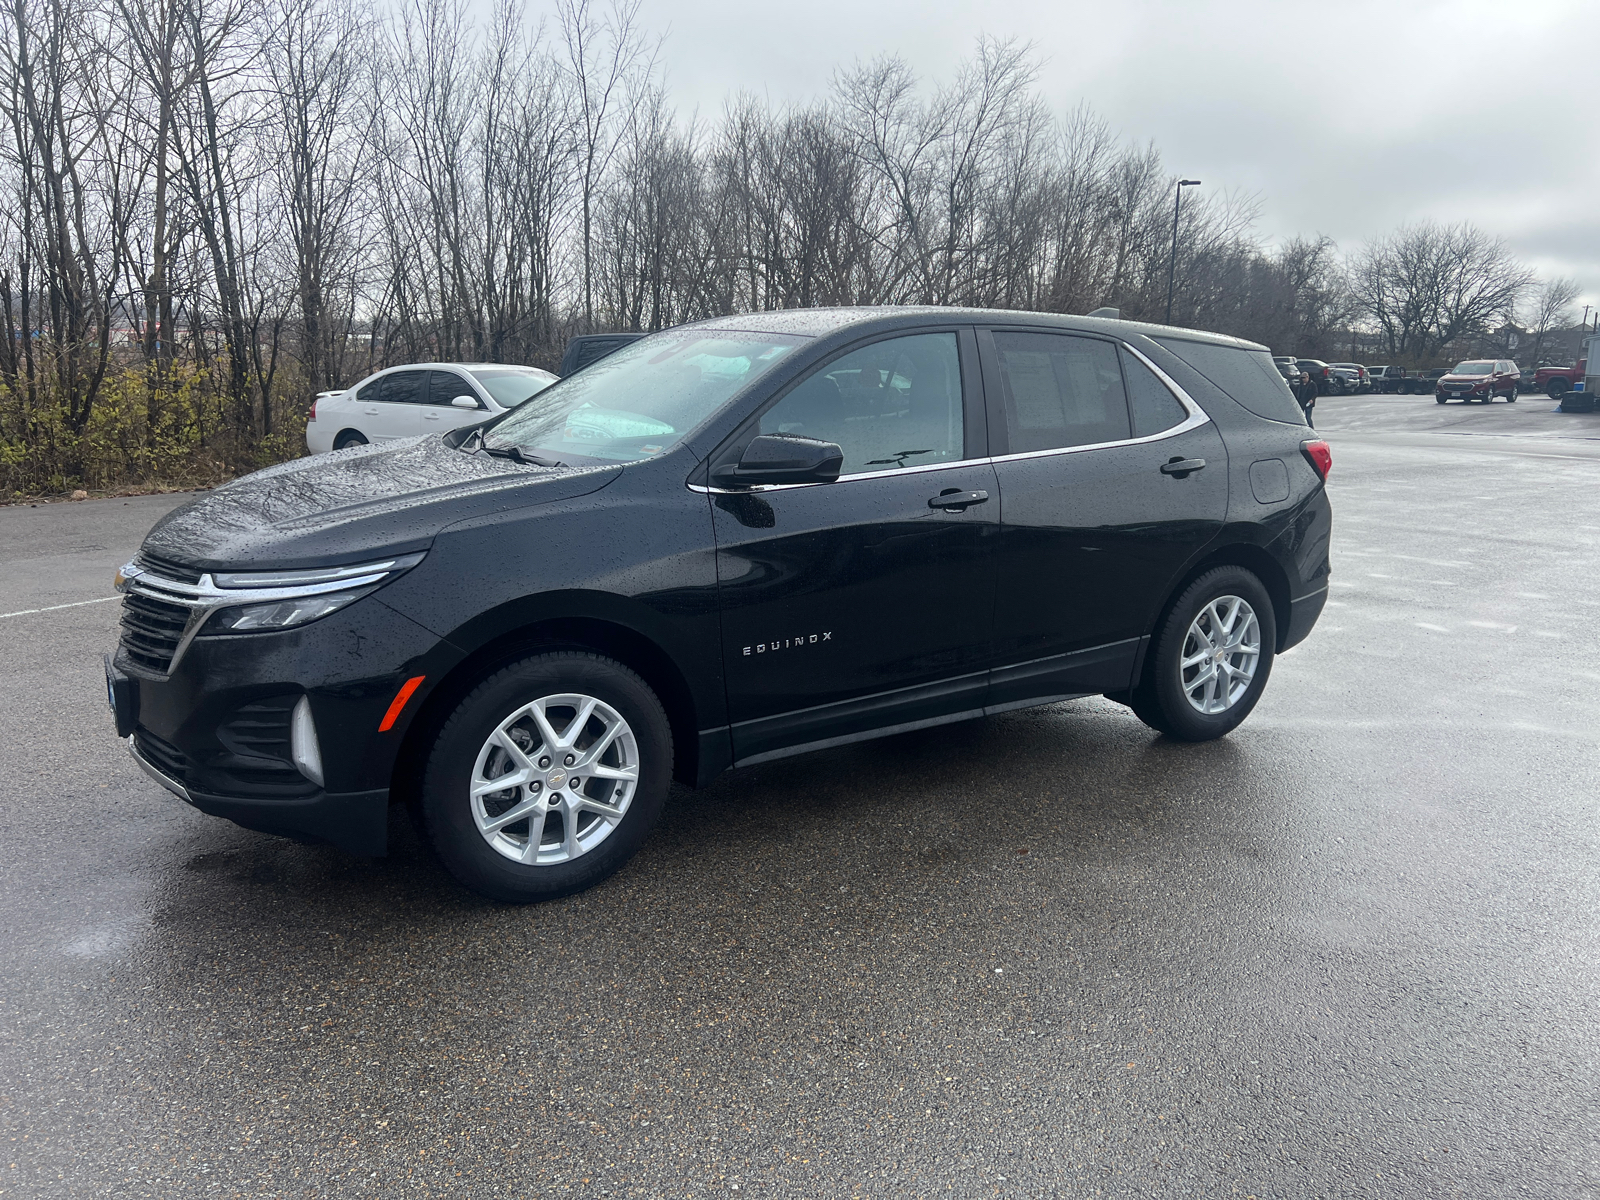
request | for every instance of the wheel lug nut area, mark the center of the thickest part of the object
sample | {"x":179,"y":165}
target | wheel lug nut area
{"x":545,"y":761}
{"x":571,"y":759}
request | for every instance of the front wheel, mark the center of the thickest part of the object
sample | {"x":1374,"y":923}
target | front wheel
{"x":1438,"y":399}
{"x":547,"y":776}
{"x":1211,"y":657}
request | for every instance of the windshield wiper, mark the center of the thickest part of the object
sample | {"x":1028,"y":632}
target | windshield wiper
{"x":515,"y":453}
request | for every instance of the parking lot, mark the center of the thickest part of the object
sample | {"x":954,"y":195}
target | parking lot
{"x":1351,"y":950}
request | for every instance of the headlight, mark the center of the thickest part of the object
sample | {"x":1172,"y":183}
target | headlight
{"x":282,"y":615}
{"x":284,"y":599}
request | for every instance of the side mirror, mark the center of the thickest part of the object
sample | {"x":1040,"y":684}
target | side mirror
{"x":782,"y":458}
{"x":466,"y":402}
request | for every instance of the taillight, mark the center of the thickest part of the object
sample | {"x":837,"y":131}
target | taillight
{"x":313,"y":415}
{"x":1319,"y":456}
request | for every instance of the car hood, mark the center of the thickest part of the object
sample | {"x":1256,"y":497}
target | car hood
{"x":337,"y":508}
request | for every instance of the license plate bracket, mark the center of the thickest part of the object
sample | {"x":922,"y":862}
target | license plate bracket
{"x":122,"y":696}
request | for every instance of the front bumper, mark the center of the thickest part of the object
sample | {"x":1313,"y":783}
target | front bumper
{"x":219,"y":731}
{"x":357,"y":822}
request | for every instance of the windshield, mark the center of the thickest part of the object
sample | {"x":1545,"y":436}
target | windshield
{"x":642,"y":399}
{"x":1473,"y":368}
{"x":511,"y":387}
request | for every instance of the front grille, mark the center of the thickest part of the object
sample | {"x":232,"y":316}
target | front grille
{"x":168,"y":568}
{"x":162,"y":755}
{"x":151,"y":631}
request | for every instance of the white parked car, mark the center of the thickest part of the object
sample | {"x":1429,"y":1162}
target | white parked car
{"x":410,"y":401}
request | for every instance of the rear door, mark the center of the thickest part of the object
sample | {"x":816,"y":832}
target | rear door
{"x":1109,"y":484}
{"x":852,"y":606}
{"x":396,"y":411}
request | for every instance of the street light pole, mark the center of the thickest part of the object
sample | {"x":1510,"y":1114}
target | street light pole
{"x":1172,"y":263}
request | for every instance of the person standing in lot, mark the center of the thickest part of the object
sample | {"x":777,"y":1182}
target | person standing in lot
{"x":1306,"y":393}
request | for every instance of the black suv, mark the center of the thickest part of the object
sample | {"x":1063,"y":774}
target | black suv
{"x":723,"y":544}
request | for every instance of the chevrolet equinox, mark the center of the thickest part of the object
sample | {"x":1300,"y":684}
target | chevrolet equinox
{"x":724,"y":543}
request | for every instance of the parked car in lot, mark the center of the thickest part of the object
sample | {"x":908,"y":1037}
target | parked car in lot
{"x":1558,"y":381}
{"x":1319,"y":372}
{"x":1343,"y":380}
{"x":1479,"y":380}
{"x":727,"y":543}
{"x":589,"y":348}
{"x":410,"y":401}
{"x":1386,"y":379}
{"x":1362,"y":381}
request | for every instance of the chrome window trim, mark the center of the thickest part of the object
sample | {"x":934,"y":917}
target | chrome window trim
{"x":1197,"y":417}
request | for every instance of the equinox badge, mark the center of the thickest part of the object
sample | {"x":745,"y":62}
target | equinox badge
{"x":805,"y":639}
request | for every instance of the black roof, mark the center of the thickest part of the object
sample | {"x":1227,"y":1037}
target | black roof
{"x":820,"y":322}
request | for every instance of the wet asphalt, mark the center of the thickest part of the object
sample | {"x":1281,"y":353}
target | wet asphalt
{"x":1350,"y":951}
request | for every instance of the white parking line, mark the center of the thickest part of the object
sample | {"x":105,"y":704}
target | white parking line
{"x":28,"y":612}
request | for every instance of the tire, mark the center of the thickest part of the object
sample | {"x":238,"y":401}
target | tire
{"x":1512,"y":398}
{"x":347,"y":439}
{"x":1557,"y":387}
{"x":580,"y":845}
{"x":1162,"y":698}
{"x":1438,"y":399}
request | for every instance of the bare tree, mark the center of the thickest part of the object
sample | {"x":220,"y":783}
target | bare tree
{"x":1552,"y":309}
{"x":610,"y":64}
{"x":1428,"y":285}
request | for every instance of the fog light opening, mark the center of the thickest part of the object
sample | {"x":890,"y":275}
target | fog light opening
{"x":303,"y":742}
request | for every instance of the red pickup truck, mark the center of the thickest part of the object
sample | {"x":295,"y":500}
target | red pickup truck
{"x":1558,"y":381}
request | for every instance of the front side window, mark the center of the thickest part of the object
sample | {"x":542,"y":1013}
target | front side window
{"x":643,"y":399}
{"x":445,"y":386}
{"x":1058,"y":390}
{"x":892,"y":404}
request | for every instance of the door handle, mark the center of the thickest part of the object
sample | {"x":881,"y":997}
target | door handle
{"x":371,"y":412}
{"x":955,"y":501}
{"x":430,"y":416}
{"x":1179,"y":467}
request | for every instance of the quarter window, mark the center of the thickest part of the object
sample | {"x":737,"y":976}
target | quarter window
{"x":892,"y":404}
{"x":1154,"y":408}
{"x":1058,"y":390}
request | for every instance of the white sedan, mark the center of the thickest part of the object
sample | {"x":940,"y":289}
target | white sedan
{"x":410,"y":401}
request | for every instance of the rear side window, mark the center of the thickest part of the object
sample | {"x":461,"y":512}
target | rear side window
{"x":1154,"y":408}
{"x":1246,"y":375}
{"x":1059,"y":390}
{"x":405,"y":387}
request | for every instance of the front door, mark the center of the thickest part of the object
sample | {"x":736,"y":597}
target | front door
{"x":855,"y":605}
{"x":1099,"y":515}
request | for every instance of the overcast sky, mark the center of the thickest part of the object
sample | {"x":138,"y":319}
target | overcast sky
{"x":1345,"y":117}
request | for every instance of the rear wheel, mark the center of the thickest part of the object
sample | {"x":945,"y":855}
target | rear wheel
{"x":1557,"y":387}
{"x":547,"y":777}
{"x":1512,"y":398}
{"x":347,"y":439}
{"x":1211,"y":658}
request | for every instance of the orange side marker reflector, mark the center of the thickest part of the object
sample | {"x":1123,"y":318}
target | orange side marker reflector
{"x":400,"y":698}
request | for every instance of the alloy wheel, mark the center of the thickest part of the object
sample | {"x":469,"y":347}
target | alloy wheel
{"x":1220,"y":653}
{"x":554,"y":779}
